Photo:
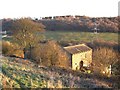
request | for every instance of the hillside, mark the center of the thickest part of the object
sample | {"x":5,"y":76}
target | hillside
{"x":71,"y":23}
{"x":81,"y":23}
{"x":19,"y":73}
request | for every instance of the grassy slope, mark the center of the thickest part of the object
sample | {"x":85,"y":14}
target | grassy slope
{"x":25,"y":74}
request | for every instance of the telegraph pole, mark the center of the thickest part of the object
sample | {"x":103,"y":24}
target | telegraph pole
{"x":95,"y":31}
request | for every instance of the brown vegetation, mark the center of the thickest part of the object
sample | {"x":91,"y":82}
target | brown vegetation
{"x":24,"y":32}
{"x":50,"y":54}
{"x":11,"y":49}
{"x":104,"y":57}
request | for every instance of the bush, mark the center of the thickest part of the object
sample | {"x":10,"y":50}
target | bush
{"x":7,"y":48}
{"x":10,"y":49}
{"x":104,"y":57}
{"x":50,"y":54}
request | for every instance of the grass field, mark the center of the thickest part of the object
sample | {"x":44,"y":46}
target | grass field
{"x":77,"y":36}
{"x":80,"y":36}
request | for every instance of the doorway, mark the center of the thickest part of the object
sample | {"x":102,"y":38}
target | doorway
{"x":81,"y":65}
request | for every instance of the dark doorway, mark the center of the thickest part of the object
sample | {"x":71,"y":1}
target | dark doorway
{"x":81,"y":65}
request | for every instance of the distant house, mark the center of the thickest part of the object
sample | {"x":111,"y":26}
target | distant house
{"x":79,"y":54}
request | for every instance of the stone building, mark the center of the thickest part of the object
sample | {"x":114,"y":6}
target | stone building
{"x":79,"y":54}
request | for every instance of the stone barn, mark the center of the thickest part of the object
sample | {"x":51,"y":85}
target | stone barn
{"x":79,"y":54}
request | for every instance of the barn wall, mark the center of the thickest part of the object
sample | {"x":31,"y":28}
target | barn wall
{"x":70,"y":60}
{"x":86,"y":57}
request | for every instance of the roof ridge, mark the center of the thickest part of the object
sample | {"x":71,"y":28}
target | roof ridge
{"x":76,"y":45}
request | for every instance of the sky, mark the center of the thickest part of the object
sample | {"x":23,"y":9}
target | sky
{"x":42,"y":8}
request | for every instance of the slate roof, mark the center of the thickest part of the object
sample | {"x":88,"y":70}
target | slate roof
{"x":77,"y":48}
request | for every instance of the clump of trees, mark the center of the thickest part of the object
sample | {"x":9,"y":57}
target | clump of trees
{"x":24,"y":32}
{"x":50,"y":54}
{"x":85,"y":24}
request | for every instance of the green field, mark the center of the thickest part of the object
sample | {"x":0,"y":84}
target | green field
{"x":80,"y":36}
{"x":77,"y":36}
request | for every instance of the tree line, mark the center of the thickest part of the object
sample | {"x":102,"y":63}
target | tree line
{"x":104,"y":24}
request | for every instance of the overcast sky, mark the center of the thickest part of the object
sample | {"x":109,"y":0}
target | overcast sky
{"x":41,"y":8}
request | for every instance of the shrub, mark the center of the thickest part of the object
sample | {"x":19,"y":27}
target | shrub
{"x":104,"y":57}
{"x":7,"y":48}
{"x":50,"y":54}
{"x":10,"y":49}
